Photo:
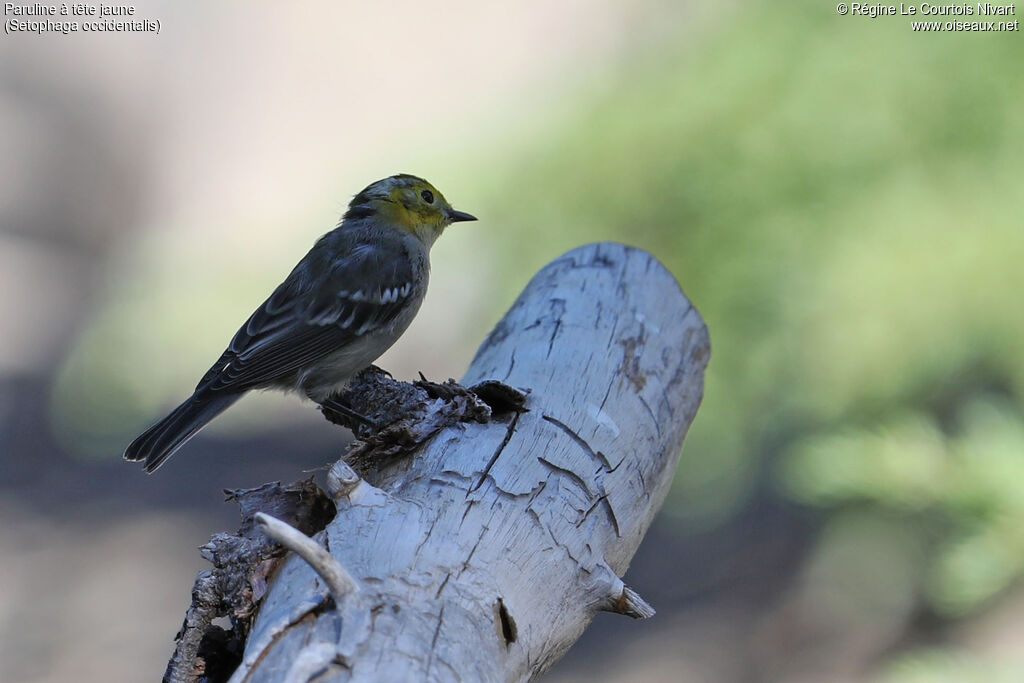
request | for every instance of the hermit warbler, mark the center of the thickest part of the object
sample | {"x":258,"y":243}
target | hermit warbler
{"x":345,"y":303}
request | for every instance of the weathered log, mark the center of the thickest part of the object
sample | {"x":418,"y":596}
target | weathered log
{"x":485,"y":554}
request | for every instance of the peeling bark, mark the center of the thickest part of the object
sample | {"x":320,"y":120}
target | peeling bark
{"x":482,"y":546}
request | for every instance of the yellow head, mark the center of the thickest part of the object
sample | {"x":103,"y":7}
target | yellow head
{"x":408,"y":203}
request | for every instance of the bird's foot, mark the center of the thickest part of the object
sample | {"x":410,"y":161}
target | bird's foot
{"x":378,"y":369}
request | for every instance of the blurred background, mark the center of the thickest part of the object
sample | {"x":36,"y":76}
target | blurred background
{"x":840,"y":197}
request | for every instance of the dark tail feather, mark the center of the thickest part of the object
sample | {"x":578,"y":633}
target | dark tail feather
{"x":160,"y":441}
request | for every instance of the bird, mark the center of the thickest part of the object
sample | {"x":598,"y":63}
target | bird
{"x":345,"y":303}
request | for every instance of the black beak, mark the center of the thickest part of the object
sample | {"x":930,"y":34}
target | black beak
{"x":458,"y":216}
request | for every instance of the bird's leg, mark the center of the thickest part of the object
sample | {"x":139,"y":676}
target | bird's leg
{"x":350,"y":417}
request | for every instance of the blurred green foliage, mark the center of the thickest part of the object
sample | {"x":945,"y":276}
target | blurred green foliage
{"x":841,"y":198}
{"x":943,"y":666}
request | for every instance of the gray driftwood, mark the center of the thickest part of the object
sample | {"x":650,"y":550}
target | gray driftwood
{"x":485,"y":554}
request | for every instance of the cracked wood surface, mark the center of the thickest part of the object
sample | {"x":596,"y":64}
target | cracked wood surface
{"x":485,"y":555}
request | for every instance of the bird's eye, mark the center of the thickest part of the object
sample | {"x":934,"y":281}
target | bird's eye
{"x":428,"y":196}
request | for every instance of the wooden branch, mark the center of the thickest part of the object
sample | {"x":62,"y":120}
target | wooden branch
{"x":339,"y":582}
{"x":485,"y":554}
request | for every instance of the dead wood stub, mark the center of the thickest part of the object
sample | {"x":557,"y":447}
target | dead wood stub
{"x":486,"y":554}
{"x":233,"y":588}
{"x":410,"y":414}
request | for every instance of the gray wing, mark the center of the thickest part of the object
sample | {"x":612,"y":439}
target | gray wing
{"x":333,"y":296}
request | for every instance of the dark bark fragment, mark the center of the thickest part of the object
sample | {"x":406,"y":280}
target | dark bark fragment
{"x":207,"y":653}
